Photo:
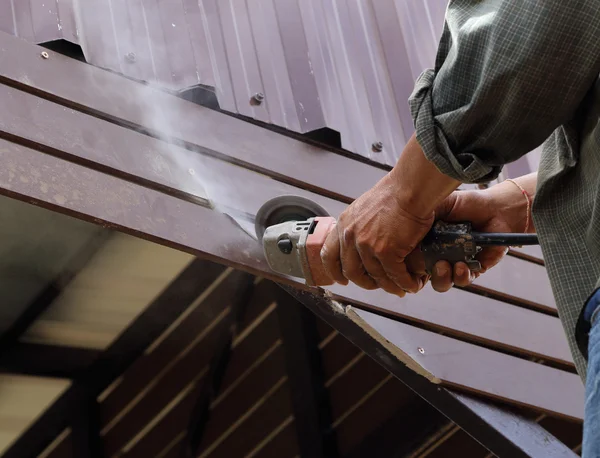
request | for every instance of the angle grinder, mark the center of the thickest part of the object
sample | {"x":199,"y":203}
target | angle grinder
{"x":293,"y":230}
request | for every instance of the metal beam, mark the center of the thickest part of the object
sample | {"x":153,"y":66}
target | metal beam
{"x":151,"y":323}
{"x":310,"y":399}
{"x":504,"y":433}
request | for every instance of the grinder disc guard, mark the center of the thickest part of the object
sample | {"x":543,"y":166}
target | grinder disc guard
{"x":283,"y":209}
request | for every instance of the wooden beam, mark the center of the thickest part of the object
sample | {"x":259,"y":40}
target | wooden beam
{"x":85,"y":430}
{"x":222,"y":355}
{"x":167,"y":381}
{"x":39,"y":305}
{"x":310,"y":399}
{"x":47,"y":360}
{"x":403,"y":433}
{"x":500,"y":431}
{"x":151,"y":323}
{"x":245,"y":382}
{"x":187,"y":330}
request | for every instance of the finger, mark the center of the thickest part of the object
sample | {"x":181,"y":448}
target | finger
{"x":330,"y":257}
{"x":441,"y":277}
{"x":352,"y":265}
{"x":376,"y":272}
{"x":398,"y":272}
{"x":396,"y":269}
{"x":491,"y":256}
{"x":462,"y":274}
{"x":415,"y":263}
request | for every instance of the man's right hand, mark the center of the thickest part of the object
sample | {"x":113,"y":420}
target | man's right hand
{"x":501,"y":208}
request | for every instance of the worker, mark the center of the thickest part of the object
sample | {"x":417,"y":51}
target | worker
{"x":508,"y":76}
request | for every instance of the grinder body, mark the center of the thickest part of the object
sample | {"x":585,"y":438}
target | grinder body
{"x":294,"y":247}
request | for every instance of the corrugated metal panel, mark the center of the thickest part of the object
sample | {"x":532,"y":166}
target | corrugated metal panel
{"x":349,"y":65}
{"x":39,"y":20}
{"x":346,"y":65}
{"x":159,"y":41}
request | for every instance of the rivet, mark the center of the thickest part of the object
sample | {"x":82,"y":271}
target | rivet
{"x":130,"y":57}
{"x":421,"y":350}
{"x":191,"y":171}
{"x":377,"y":147}
{"x":258,"y":98}
{"x":45,"y":55}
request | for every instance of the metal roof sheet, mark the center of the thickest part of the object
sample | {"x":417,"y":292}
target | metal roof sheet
{"x":346,"y":65}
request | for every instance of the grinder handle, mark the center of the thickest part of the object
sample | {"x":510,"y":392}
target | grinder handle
{"x":316,"y":239}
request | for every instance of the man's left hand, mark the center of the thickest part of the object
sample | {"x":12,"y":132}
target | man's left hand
{"x":372,"y":239}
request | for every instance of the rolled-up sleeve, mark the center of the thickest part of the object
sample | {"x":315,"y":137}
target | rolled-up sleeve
{"x":507,"y":74}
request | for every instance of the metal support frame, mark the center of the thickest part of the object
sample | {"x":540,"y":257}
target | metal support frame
{"x":502,"y":432}
{"x":310,"y":400}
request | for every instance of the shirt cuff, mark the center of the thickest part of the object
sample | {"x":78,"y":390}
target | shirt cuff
{"x":464,"y":167}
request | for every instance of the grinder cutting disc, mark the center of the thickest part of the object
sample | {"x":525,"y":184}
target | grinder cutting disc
{"x":285,"y":208}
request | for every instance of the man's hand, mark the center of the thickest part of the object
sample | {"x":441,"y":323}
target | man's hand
{"x":371,"y":240}
{"x":501,"y":208}
{"x":376,"y":233}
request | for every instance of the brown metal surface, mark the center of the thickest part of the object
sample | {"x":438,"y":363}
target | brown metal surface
{"x":88,"y":139}
{"x":68,"y":80}
{"x":168,"y":167}
{"x":182,"y":224}
{"x":453,"y":364}
{"x":191,"y":227}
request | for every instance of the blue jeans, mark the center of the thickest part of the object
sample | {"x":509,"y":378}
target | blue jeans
{"x":591,"y":423}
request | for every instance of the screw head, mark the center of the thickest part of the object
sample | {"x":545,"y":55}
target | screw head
{"x":258,"y":98}
{"x":44,"y":55}
{"x":421,"y":350}
{"x":191,"y":171}
{"x":130,"y":57}
{"x":377,"y":147}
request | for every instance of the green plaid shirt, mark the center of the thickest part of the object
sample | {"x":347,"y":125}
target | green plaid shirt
{"x":509,"y":76}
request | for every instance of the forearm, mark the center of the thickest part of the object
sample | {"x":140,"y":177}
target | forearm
{"x":511,"y":201}
{"x":421,"y":187}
